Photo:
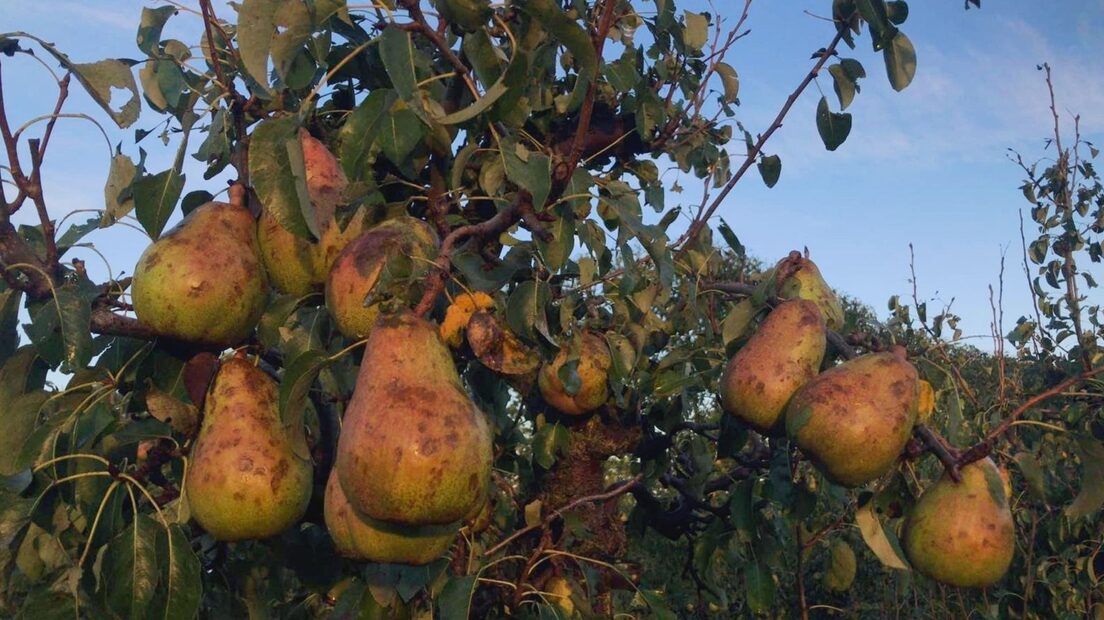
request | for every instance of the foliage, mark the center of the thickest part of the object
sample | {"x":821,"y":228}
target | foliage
{"x":531,"y":135}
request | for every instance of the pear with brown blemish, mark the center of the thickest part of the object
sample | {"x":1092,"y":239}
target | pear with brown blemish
{"x":594,"y":362}
{"x":414,"y":449}
{"x":854,"y":420}
{"x":962,"y":533}
{"x":250,"y":475}
{"x":797,"y":277}
{"x":359,"y":537}
{"x":783,"y":354}
{"x":203,"y":281}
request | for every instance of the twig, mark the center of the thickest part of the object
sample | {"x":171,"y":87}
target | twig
{"x":937,"y":446}
{"x":615,"y":491}
{"x":1038,"y":398}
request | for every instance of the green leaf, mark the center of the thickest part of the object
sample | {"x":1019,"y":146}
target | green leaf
{"x":550,"y":442}
{"x":1091,"y":497}
{"x":525,"y":310}
{"x":454,"y":602}
{"x":279,"y":176}
{"x":568,"y":32}
{"x":558,"y":250}
{"x":876,"y":16}
{"x":737,"y":321}
{"x":844,"y":85}
{"x":357,"y":135}
{"x":493,"y":93}
{"x":874,"y":534}
{"x":730,"y":80}
{"x":833,"y":127}
{"x":770,"y":168}
{"x":20,"y":418}
{"x":1033,"y":475}
{"x":696,"y":34}
{"x":60,"y":327}
{"x":900,"y":61}
{"x":149,"y":28}
{"x":296,"y":383}
{"x":760,"y":586}
{"x":529,"y":170}
{"x":155,"y":197}
{"x":396,"y":49}
{"x":621,"y":73}
{"x":9,"y":321}
{"x":130,"y":573}
{"x":120,"y":178}
{"x":194,"y":200}
{"x":256,"y":25}
{"x":180,"y":586}
{"x":897,"y":12}
{"x":401,"y":132}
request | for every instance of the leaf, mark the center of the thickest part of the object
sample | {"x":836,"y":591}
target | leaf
{"x":696,"y":33}
{"x":149,"y":28}
{"x":155,"y":197}
{"x":396,"y":49}
{"x":401,"y":132}
{"x":841,"y":568}
{"x":358,"y":133}
{"x":737,"y":321}
{"x":833,"y":127}
{"x":550,"y":442}
{"x":770,"y":168}
{"x":130,"y":573}
{"x":1033,"y":475}
{"x":298,"y":377}
{"x":256,"y":25}
{"x":9,"y":322}
{"x":760,"y":586}
{"x":20,"y":418}
{"x":60,"y":327}
{"x":577,"y":41}
{"x":897,"y":11}
{"x":1091,"y":496}
{"x":180,"y":587}
{"x":120,"y":177}
{"x":900,"y":61}
{"x":528,"y":170}
{"x":454,"y":601}
{"x":730,"y":80}
{"x":525,"y":309}
{"x":874,"y":535}
{"x":844,"y":85}
{"x":493,"y":93}
{"x":280,"y":178}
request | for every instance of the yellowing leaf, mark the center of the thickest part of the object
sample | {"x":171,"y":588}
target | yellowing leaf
{"x":874,"y":535}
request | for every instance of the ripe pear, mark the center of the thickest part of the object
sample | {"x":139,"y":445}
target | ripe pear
{"x":783,"y":354}
{"x":250,"y":475}
{"x":360,"y":537}
{"x":853,"y":420}
{"x":382,"y":263}
{"x":594,"y":363}
{"x":203,"y":281}
{"x":797,"y":277}
{"x":297,"y":266}
{"x":414,"y":449}
{"x":962,"y":534}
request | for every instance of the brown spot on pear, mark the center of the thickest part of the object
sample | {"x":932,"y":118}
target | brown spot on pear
{"x":783,"y":354}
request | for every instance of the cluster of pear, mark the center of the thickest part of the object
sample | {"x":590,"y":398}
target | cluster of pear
{"x":414,"y":457}
{"x":853,"y":421}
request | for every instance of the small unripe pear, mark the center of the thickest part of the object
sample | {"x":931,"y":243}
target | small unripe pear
{"x":962,"y":533}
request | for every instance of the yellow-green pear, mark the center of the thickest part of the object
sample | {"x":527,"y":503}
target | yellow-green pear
{"x":414,"y":449}
{"x":854,"y":420}
{"x":593,"y":369}
{"x":297,"y":266}
{"x":250,"y":475}
{"x":203,"y":281}
{"x":359,"y":537}
{"x":783,"y":354}
{"x":383,"y":263}
{"x":797,"y":277}
{"x":962,"y":533}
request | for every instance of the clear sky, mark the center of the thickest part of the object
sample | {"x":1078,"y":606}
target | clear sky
{"x":927,"y":166}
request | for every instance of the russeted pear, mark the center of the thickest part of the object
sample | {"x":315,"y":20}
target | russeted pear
{"x":797,"y":277}
{"x":383,"y":262}
{"x":247,"y":479}
{"x":593,"y":370}
{"x":854,"y":420}
{"x":203,"y":281}
{"x":414,"y":449}
{"x":962,"y":534}
{"x":783,"y":354}
{"x":360,"y":537}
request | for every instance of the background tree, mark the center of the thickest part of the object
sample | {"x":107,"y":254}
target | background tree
{"x":529,"y":137}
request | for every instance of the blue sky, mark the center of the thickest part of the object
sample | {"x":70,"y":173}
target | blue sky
{"x":927,"y":166}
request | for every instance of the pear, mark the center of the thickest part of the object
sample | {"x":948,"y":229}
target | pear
{"x":853,"y":420}
{"x":203,"y":281}
{"x":382,"y":263}
{"x":962,"y":534}
{"x":247,"y":479}
{"x":783,"y":354}
{"x":360,"y":537}
{"x":594,"y":359}
{"x":561,"y":595}
{"x":414,"y":449}
{"x":797,"y":277}
{"x":297,"y":266}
